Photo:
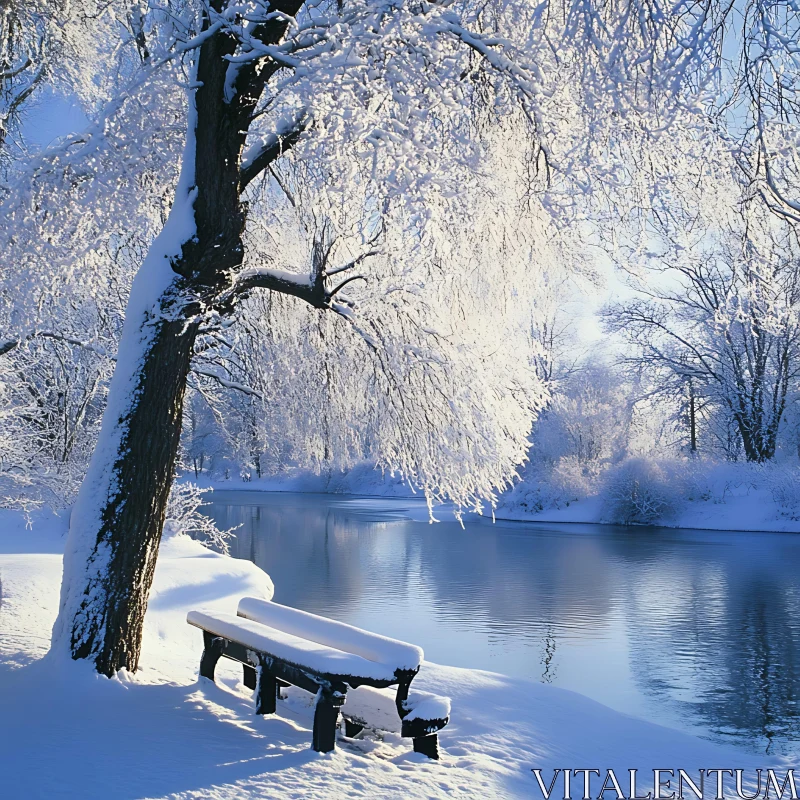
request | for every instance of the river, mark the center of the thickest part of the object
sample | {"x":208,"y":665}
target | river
{"x":695,"y":630}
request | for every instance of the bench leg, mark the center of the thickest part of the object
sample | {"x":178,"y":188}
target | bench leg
{"x":250,"y":678}
{"x":213,"y":647}
{"x":326,"y":715}
{"x":427,"y":745}
{"x":266,"y":693}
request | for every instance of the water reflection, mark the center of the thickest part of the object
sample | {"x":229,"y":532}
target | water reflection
{"x":696,"y":630}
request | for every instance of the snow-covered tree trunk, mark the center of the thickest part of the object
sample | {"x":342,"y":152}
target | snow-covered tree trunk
{"x":117,"y":521}
{"x":116,"y":524}
{"x":120,"y":511}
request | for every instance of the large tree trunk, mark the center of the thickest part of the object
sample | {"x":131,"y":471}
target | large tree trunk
{"x":760,"y":439}
{"x":107,"y":624}
{"x":117,"y":521}
{"x":116,"y":525}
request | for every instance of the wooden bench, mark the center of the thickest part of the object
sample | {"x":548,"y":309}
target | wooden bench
{"x":278,"y":645}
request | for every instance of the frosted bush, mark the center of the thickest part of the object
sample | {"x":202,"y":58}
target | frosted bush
{"x":544,"y":485}
{"x":642,"y":492}
{"x":573,"y":479}
{"x":786,"y":492}
{"x":697,"y":484}
{"x":185,"y":518}
{"x":729,"y":479}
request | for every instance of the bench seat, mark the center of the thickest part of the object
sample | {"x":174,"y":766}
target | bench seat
{"x":292,"y":649}
{"x":372,"y":646}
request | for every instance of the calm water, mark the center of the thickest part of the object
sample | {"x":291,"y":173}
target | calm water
{"x":695,"y":630}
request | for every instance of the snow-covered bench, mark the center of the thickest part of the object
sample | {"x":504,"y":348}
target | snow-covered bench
{"x":279,"y":645}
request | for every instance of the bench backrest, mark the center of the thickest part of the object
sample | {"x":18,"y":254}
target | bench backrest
{"x":372,"y":646}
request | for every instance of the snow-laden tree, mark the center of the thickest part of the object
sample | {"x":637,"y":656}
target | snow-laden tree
{"x":28,"y":36}
{"x":715,"y":268}
{"x":53,"y":377}
{"x":588,"y":420}
{"x":762,"y":113}
{"x":56,"y":376}
{"x":395,"y":114}
{"x":584,"y":429}
{"x":718,"y":314}
{"x":51,"y":44}
{"x":281,"y":356}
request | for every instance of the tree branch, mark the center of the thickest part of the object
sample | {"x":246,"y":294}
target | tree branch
{"x":309,"y":288}
{"x":254,"y":163}
{"x":7,"y":347}
{"x":312,"y":291}
{"x":239,"y":387}
{"x":7,"y":74}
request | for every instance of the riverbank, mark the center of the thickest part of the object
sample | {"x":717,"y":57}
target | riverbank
{"x":734,"y":501}
{"x":162,"y":733}
{"x":712,"y":497}
{"x":754,"y":513}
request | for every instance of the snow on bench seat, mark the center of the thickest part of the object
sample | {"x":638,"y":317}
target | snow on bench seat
{"x":376,"y":708}
{"x":315,"y":656}
{"x":371,"y":646}
{"x":427,"y":706}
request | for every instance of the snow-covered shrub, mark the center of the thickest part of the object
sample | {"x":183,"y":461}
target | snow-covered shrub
{"x":697,"y":486}
{"x":726,"y":479}
{"x":587,"y":420}
{"x":582,"y":431}
{"x":544,"y":486}
{"x":573,"y":478}
{"x":785,"y":485}
{"x":641,"y":492}
{"x":184,"y":517}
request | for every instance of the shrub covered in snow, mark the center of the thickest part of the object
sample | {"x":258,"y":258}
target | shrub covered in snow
{"x":640,"y":491}
{"x":786,"y":492}
{"x":544,"y":486}
{"x":583,"y":430}
{"x":184,"y":517}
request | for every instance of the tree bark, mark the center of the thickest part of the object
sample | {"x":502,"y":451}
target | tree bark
{"x":692,"y":421}
{"x":132,"y":519}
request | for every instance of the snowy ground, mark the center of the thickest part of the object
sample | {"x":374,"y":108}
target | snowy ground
{"x":162,"y":733}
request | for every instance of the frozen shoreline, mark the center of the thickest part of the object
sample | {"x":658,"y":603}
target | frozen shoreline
{"x":753,"y":512}
{"x":553,"y":517}
{"x":748,"y":514}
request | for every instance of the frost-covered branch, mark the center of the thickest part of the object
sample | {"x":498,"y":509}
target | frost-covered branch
{"x":222,"y":381}
{"x":259,"y":157}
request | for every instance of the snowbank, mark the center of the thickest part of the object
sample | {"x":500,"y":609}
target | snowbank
{"x":162,"y":733}
{"x":700,"y":496}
